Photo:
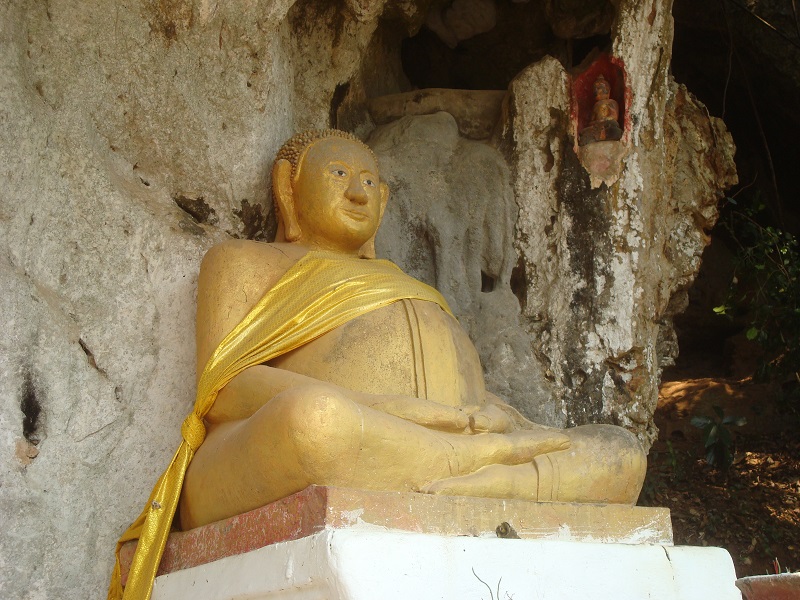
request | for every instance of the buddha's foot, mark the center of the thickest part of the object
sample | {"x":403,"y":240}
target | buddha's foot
{"x":518,"y":482}
{"x":472,"y":452}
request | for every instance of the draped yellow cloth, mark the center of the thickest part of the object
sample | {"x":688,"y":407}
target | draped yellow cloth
{"x":319,"y":293}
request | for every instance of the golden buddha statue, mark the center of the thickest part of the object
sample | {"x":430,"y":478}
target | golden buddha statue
{"x":320,"y":364}
{"x":604,"y":124}
{"x":393,"y":399}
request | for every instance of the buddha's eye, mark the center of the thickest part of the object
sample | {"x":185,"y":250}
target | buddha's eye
{"x":369,"y":182}
{"x":339,"y":172}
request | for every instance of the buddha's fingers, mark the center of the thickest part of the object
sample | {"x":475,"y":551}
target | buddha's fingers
{"x":490,"y":419}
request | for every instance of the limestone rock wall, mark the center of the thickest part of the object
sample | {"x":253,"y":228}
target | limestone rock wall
{"x":607,"y":266}
{"x":135,"y":135}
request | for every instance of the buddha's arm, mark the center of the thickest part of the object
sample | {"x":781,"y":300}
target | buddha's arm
{"x":253,"y":388}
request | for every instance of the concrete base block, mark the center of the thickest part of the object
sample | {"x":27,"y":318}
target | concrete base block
{"x":363,"y":564}
{"x":319,"y":508}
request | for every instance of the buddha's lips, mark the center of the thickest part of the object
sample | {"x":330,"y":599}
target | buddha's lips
{"x":357,"y":214}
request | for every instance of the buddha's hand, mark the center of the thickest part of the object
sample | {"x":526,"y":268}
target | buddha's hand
{"x":501,"y":418}
{"x":423,"y":412}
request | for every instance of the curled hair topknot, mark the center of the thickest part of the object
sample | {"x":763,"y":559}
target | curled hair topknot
{"x":294,"y":147}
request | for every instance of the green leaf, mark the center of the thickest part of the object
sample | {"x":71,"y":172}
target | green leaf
{"x":700,"y":422}
{"x":734,"y":420}
{"x":752,"y":333}
{"x":720,"y":310}
{"x":712,"y":437}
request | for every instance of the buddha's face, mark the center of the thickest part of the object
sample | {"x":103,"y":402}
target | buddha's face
{"x":602,"y":90}
{"x":337,"y":195}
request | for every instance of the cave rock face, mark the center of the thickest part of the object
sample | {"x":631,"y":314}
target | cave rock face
{"x":136,"y":135}
{"x":607,"y":267}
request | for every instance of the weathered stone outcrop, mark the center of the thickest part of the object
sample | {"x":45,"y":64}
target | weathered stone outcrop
{"x":606,"y":267}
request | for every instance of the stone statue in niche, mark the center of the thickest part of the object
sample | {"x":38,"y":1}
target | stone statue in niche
{"x":604,"y":125}
{"x":377,"y":387}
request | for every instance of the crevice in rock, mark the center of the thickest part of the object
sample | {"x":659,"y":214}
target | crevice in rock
{"x":581,"y":49}
{"x":522,"y":34}
{"x":487,"y":61}
{"x":488,"y":282}
{"x":197,"y":208}
{"x":31,"y":409}
{"x":519,"y":283}
{"x":339,"y":94}
{"x":90,"y":356}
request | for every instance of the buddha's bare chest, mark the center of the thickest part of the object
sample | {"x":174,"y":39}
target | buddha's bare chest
{"x":410,"y":347}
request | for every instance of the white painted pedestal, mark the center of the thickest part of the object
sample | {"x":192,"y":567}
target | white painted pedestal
{"x":378,"y":564}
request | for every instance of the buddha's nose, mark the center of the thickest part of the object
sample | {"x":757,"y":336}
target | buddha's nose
{"x":356,"y":192}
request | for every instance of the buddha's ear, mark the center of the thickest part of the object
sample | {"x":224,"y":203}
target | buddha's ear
{"x":368,"y":249}
{"x":284,"y":196}
{"x":384,"y":198}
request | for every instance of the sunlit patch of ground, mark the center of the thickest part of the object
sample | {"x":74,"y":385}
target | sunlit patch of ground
{"x":752,"y":510}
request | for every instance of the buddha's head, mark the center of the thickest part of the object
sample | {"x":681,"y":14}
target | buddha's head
{"x":328,"y":192}
{"x":602,"y":90}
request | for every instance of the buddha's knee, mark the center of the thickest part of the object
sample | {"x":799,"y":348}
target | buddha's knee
{"x":610,"y":436}
{"x":322,"y":428}
{"x":604,"y":463}
{"x":615,"y":448}
{"x":632,"y":457}
{"x":625,"y":462}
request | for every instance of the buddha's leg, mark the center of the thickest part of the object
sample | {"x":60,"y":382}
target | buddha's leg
{"x":603,"y":464}
{"x":313,"y":435}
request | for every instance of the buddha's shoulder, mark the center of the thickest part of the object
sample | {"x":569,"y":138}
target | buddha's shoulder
{"x":244,"y":255}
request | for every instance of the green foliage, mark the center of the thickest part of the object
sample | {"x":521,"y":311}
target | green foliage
{"x":717,"y":437}
{"x":765,"y":286}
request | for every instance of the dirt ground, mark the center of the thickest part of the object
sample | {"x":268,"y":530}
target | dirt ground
{"x":753,"y":509}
